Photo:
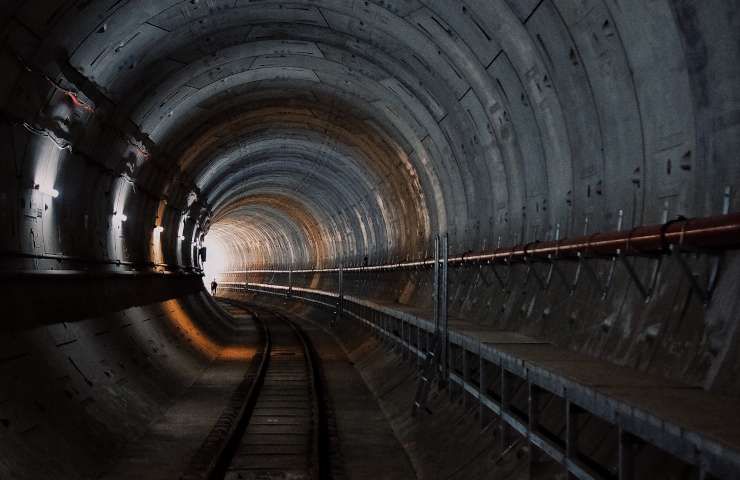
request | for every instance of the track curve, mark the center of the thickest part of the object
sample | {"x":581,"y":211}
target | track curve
{"x":272,"y":427}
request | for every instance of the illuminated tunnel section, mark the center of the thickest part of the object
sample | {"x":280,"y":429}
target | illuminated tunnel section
{"x":309,"y":186}
{"x":309,"y":134}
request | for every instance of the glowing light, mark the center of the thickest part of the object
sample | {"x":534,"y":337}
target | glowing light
{"x":52,"y":192}
{"x":200,"y":339}
{"x":217,"y":258}
{"x":119,"y":217}
{"x":159,"y":229}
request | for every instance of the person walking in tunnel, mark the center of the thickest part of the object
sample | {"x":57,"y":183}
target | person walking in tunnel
{"x":214,"y":286}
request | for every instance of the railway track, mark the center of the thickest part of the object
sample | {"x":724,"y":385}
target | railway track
{"x":273,"y":425}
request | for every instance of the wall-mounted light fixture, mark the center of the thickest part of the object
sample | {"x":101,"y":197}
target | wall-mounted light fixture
{"x":119,"y":217}
{"x":159,"y":229}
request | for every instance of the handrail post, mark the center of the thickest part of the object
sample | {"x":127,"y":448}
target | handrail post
{"x":435,"y":286}
{"x":290,"y":281}
{"x":340,"y":294}
{"x":443,"y":309}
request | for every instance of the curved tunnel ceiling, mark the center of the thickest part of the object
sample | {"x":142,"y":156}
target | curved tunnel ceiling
{"x":309,"y":133}
{"x":314,"y":133}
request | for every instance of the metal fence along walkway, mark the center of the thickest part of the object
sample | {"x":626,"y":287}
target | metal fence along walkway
{"x":509,"y":375}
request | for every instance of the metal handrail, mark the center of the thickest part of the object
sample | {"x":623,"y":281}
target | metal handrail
{"x":715,"y":233}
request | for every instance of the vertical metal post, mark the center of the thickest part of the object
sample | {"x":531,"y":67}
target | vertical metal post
{"x":443,"y":310}
{"x":290,"y":281}
{"x":466,"y":368}
{"x":402,"y":332}
{"x":384,"y":329}
{"x":504,"y":428}
{"x":430,"y":339}
{"x":627,"y":447}
{"x":534,"y":407}
{"x":420,"y":348}
{"x":533,"y":404}
{"x":340,"y":294}
{"x":374,"y":320}
{"x":435,"y":286}
{"x":483,"y":412}
{"x":572,"y":413}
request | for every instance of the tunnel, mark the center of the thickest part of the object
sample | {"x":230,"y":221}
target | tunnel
{"x":382,"y":239}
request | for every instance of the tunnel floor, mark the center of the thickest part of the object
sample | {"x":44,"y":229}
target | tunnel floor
{"x":356,"y":438}
{"x":173,"y":438}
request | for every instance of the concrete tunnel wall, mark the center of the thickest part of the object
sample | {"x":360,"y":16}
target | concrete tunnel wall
{"x":317,"y":133}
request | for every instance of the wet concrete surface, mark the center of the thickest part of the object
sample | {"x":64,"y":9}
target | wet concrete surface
{"x":448,"y":442}
{"x":367,"y":444}
{"x":165,"y":451}
{"x":363,"y":444}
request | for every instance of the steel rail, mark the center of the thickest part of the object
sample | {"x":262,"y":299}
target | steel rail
{"x":318,"y":455}
{"x":216,"y":458}
{"x":211,"y":459}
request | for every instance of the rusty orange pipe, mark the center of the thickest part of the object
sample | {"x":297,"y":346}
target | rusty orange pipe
{"x":721,"y":232}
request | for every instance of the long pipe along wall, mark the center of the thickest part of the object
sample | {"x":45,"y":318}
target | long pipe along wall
{"x":140,"y":138}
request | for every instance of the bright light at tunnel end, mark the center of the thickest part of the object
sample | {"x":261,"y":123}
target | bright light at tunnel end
{"x":217,"y":259}
{"x":52,"y":192}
